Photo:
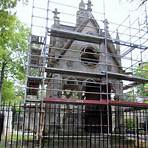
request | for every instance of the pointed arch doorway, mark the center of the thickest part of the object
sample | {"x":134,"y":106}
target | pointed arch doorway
{"x":97,"y":117}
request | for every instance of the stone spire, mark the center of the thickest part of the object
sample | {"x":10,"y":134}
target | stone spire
{"x":56,"y":18}
{"x":81,"y":13}
{"x":106,"y":27}
{"x":117,"y":45}
{"x":89,"y":4}
{"x":82,"y":5}
{"x":106,"y":23}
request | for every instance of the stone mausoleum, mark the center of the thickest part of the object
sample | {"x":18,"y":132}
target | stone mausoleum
{"x":79,"y":65}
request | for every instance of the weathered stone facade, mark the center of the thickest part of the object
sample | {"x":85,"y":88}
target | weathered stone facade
{"x":84,"y":57}
{"x":72,"y":55}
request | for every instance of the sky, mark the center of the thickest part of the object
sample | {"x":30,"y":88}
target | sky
{"x":122,"y":15}
{"x":115,"y":11}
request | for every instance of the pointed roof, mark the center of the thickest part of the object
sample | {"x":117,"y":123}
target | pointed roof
{"x":81,"y":5}
{"x":89,"y":4}
{"x":80,"y":28}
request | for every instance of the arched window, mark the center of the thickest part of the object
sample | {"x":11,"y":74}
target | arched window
{"x":89,"y":55}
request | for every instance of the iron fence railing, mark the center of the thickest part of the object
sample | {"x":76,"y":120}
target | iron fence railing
{"x":57,"y":123}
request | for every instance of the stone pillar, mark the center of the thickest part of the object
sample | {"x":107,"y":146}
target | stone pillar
{"x":55,"y":92}
{"x":119,"y":114}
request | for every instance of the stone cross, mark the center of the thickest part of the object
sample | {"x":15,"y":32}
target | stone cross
{"x":55,"y":12}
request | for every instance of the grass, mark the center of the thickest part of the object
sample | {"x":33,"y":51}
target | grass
{"x":12,"y":139}
{"x":2,"y":146}
{"x":18,"y":137}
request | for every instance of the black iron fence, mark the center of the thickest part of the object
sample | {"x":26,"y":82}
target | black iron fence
{"x":57,"y":123}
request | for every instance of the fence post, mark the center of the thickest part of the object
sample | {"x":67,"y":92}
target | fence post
{"x":41,"y":124}
{"x":137,"y":132}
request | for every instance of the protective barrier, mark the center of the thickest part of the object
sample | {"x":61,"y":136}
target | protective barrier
{"x":59,"y":123}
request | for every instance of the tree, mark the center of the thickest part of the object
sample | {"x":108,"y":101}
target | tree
{"x":7,"y":4}
{"x":11,"y":93}
{"x":141,"y":2}
{"x":8,"y":90}
{"x":13,"y":46}
{"x":142,"y":71}
{"x":130,"y":96}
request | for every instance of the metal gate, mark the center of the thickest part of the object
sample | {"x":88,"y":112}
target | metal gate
{"x":59,"y":123}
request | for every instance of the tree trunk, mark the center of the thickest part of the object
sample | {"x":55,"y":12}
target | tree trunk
{"x":2,"y":78}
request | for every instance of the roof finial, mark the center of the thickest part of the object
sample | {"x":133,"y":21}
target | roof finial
{"x":82,"y":5}
{"x":56,"y":18}
{"x":117,"y":34}
{"x":89,"y":4}
{"x":106,"y":24}
{"x":117,"y":45}
{"x":55,"y":12}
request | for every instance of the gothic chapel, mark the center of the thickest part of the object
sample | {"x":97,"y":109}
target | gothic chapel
{"x":77,"y":62}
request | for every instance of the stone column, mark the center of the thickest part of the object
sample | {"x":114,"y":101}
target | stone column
{"x":119,"y":114}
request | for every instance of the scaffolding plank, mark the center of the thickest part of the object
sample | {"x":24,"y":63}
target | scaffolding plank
{"x":119,"y":76}
{"x":76,"y":35}
{"x":62,"y":33}
{"x":72,"y":72}
{"x":110,"y":75}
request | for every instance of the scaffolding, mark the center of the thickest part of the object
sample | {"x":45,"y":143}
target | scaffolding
{"x":37,"y":54}
{"x":80,"y":57}
{"x":51,"y":38}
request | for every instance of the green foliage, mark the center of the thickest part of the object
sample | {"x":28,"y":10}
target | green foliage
{"x":11,"y":94}
{"x":6,"y":4}
{"x":13,"y":44}
{"x":8,"y":91}
{"x":13,"y":34}
{"x":130,"y":96}
{"x":17,"y":137}
{"x":142,"y":71}
{"x":130,"y":123}
{"x":13,"y":47}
